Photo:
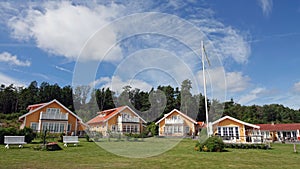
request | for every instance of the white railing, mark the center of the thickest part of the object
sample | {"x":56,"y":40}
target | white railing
{"x":174,"y":121}
{"x":131,"y":119}
{"x":56,"y":116}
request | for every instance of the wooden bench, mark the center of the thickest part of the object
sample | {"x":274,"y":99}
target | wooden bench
{"x":70,"y":140}
{"x":9,"y":140}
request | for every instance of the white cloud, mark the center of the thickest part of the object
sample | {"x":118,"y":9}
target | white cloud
{"x":266,"y":6}
{"x":116,"y":84}
{"x":62,"y":28}
{"x":63,"y":69}
{"x":296,"y":87}
{"x":219,"y":80}
{"x":13,"y":60}
{"x":252,"y":95}
{"x":6,"y":80}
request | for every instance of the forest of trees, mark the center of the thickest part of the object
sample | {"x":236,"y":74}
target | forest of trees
{"x":86,"y":102}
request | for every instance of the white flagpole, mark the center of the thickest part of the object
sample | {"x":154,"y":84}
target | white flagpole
{"x":204,"y":84}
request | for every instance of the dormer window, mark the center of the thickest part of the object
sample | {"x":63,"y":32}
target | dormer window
{"x":53,"y":111}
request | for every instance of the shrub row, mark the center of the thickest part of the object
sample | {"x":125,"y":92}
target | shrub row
{"x":248,"y":146}
{"x":212,"y":144}
{"x":11,"y":131}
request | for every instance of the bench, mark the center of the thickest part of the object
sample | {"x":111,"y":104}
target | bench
{"x":70,"y":140}
{"x":9,"y":140}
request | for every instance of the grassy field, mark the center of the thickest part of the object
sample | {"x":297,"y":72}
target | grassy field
{"x":88,"y":155}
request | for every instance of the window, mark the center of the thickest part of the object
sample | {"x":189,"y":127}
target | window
{"x":34,"y":126}
{"x":219,"y":131}
{"x":45,"y":126}
{"x":230,"y":131}
{"x":175,"y":129}
{"x":69,"y":127}
{"x":61,"y":127}
{"x":53,"y":110}
{"x":131,"y":128}
{"x":56,"y":127}
{"x":180,"y":129}
{"x":135,"y":128}
{"x":187,"y":129}
{"x":53,"y":127}
{"x":225,"y":131}
{"x":237,"y":135}
{"x":113,"y":128}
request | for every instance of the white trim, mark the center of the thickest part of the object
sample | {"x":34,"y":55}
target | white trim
{"x":30,"y":112}
{"x":185,"y":116}
{"x":236,"y":120}
{"x":124,"y":107}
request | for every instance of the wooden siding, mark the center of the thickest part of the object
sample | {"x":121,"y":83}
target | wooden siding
{"x":231,"y":123}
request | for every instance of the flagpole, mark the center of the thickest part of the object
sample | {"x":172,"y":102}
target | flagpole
{"x":204,"y":84}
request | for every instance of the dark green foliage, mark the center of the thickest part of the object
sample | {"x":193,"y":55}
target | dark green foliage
{"x":212,"y":144}
{"x":61,"y":135}
{"x":16,"y":99}
{"x":11,"y":131}
{"x":28,"y":133}
{"x":152,"y":129}
{"x":247,"y":146}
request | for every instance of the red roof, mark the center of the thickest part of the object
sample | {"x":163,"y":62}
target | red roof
{"x":34,"y":106}
{"x":104,"y":115}
{"x":200,"y":123}
{"x":279,"y":127}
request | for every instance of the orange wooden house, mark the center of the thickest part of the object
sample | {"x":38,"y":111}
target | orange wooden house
{"x":53,"y":117}
{"x":118,"y":120}
{"x":235,"y":131}
{"x":177,"y":123}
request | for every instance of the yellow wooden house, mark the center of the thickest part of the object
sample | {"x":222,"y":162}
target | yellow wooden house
{"x":235,"y":131}
{"x":177,"y":123}
{"x":53,"y":117}
{"x":117,"y":120}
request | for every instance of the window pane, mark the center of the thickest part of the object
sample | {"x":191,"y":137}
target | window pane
{"x":61,"y":127}
{"x":225,"y":131}
{"x":219,"y":131}
{"x":237,"y":133}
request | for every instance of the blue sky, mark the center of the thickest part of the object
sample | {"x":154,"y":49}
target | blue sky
{"x":253,"y":46}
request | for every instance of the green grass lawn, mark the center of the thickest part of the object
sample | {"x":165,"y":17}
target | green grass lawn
{"x":88,"y":155}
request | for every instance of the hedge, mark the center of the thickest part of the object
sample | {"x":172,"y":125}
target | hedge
{"x":11,"y":131}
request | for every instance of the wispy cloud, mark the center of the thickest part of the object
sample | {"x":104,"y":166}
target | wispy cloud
{"x":63,"y":69}
{"x":13,"y":60}
{"x":274,"y":36}
{"x":6,"y":80}
{"x":266,"y":6}
{"x":252,"y":95}
{"x":116,"y":84}
{"x":296,"y":87}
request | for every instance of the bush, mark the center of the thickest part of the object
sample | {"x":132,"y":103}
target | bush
{"x":87,"y":137}
{"x":248,"y":146}
{"x":61,"y":137}
{"x":212,"y":144}
{"x":28,"y":133}
{"x":11,"y":131}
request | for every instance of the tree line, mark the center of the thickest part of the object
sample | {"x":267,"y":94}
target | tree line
{"x":86,"y":102}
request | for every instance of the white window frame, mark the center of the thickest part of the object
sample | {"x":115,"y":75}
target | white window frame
{"x":36,"y":124}
{"x":225,"y":131}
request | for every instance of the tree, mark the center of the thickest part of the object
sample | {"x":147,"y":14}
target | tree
{"x":189,"y":104}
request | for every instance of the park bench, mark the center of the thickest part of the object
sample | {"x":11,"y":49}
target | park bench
{"x":9,"y":140}
{"x":70,"y":140}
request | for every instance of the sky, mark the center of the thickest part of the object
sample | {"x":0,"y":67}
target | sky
{"x":253,"y":47}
